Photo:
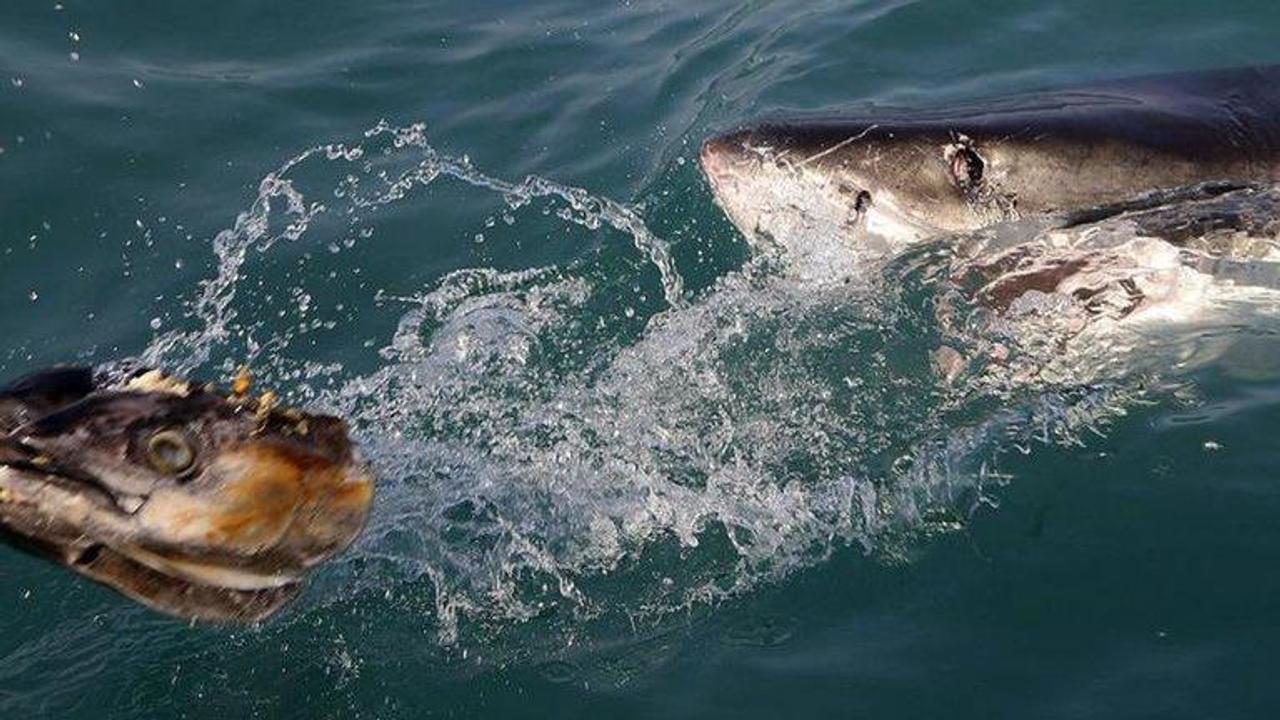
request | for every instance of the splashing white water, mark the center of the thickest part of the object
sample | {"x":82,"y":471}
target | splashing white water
{"x":535,"y":462}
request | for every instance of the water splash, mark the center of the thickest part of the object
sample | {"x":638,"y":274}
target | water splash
{"x":394,"y":161}
{"x":543,"y":469}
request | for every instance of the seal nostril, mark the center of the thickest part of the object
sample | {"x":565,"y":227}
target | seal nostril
{"x":862,"y":202}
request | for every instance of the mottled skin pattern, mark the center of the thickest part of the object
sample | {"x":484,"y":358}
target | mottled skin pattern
{"x":968,"y":167}
{"x":201,"y":505}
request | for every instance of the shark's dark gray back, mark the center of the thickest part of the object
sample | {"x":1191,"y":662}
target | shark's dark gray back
{"x":1209,"y":115}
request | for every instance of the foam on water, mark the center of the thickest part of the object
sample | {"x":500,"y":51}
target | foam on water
{"x":537,"y":463}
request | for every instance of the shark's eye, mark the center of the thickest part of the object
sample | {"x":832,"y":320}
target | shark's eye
{"x":170,"y":452}
{"x":967,"y":167}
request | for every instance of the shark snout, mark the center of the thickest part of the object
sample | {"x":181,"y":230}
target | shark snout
{"x":713,"y":161}
{"x":737,"y":178}
{"x":722,"y":158}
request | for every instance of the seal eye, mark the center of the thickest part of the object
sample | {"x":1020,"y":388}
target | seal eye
{"x":170,"y":452}
{"x":862,"y":202}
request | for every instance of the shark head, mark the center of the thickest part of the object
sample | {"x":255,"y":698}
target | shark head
{"x":885,"y":180}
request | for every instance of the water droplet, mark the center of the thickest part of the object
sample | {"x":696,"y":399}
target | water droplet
{"x":75,"y":57}
{"x":34,"y":296}
{"x":137,"y":83}
{"x":156,"y":323}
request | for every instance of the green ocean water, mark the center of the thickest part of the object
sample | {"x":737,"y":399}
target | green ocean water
{"x":624,"y":471}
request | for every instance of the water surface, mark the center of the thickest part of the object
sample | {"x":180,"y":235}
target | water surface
{"x":628,"y":468}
